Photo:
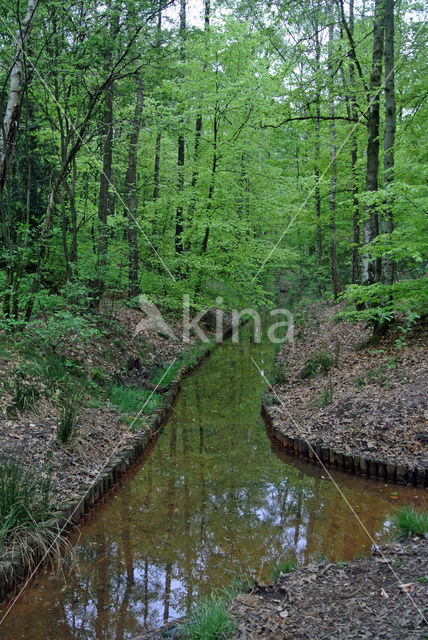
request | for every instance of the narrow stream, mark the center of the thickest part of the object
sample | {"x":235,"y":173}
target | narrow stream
{"x":214,"y":496}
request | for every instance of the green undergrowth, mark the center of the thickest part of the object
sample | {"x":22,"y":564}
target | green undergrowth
{"x":209,"y":617}
{"x":132,"y":401}
{"x":186,"y":361}
{"x":39,"y":372}
{"x":409,"y":522}
{"x":319,"y":363}
{"x":26,"y":512}
{"x":285,"y":566}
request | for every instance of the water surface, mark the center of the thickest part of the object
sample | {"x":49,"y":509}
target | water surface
{"x":214,"y":496}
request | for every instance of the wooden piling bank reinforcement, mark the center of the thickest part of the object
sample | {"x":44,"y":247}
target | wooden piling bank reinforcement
{"x":14,"y":566}
{"x":361,"y":465}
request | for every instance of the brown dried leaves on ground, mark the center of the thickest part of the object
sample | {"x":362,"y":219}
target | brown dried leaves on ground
{"x":374,"y":397}
{"x":383,"y":597}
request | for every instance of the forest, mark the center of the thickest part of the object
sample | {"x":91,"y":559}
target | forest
{"x":162,"y":160}
{"x":161,"y":148}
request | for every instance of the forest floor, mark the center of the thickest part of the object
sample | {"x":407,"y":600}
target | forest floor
{"x":363,"y":399}
{"x":107,"y":380}
{"x":381,"y":597}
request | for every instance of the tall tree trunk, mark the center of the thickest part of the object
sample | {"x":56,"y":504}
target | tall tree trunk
{"x":352,"y":111}
{"x":179,"y":246}
{"x":157,"y":166}
{"x":79,"y":141}
{"x":12,"y":112}
{"x":212,"y":183}
{"x":64,"y":141}
{"x":332,"y":201}
{"x":156,"y":177}
{"x":131,"y":186}
{"x":389,"y":140}
{"x":317,"y":153}
{"x":198,"y":129}
{"x":104,"y":197}
{"x":73,"y":210}
{"x":370,"y":228}
{"x":8,"y":130}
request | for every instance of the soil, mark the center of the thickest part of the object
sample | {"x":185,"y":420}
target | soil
{"x":375,"y":395}
{"x":123,"y":357}
{"x":382,"y":597}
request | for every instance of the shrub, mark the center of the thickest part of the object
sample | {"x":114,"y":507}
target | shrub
{"x":320,"y":362}
{"x":408,"y":522}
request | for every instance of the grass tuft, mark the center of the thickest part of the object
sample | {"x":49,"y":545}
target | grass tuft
{"x":318,"y":363}
{"x":66,"y":424}
{"x":278,"y":373}
{"x":286,"y":566}
{"x":26,"y":396}
{"x":27,"y":518}
{"x":326,"y":396}
{"x":210,"y":619}
{"x":409,"y":522}
{"x":130,"y":400}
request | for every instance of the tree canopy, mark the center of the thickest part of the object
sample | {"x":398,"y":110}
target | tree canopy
{"x":164,"y":148}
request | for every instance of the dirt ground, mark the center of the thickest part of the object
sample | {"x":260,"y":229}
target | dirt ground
{"x":120,"y":355}
{"x":372,"y":401}
{"x":382,"y":597}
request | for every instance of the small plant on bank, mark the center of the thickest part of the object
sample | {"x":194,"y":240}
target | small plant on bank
{"x":66,"y":424}
{"x":360,"y":382}
{"x":98,"y":376}
{"x":326,"y":396}
{"x":26,"y":514}
{"x":286,"y":566}
{"x":270,"y":400}
{"x":318,"y":363}
{"x":209,"y":619}
{"x":26,"y":396}
{"x":278,"y":372}
{"x":378,"y":375}
{"x":409,"y":522}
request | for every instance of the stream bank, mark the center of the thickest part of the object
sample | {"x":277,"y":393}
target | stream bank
{"x":362,"y":407}
{"x":380,"y":598}
{"x":214,"y":496}
{"x":107,"y":440}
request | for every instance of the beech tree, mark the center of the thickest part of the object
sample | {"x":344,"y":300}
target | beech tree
{"x":146,"y":149}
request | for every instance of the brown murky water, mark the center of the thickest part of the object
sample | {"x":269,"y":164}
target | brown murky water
{"x":214,"y":496}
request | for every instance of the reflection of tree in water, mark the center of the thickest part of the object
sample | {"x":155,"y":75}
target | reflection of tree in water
{"x":212,"y":497}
